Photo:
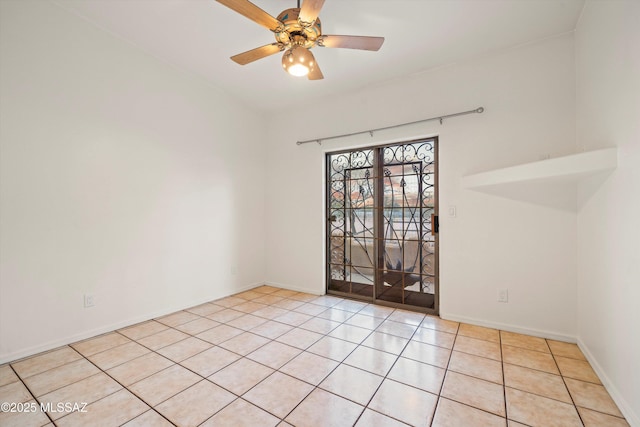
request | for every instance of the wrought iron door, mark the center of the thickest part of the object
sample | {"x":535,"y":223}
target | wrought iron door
{"x":382,"y":224}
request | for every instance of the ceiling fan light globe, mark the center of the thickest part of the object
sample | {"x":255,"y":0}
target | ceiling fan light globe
{"x":298,"y":70}
{"x":298,"y":61}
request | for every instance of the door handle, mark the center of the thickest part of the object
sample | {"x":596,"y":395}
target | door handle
{"x":435,"y":226}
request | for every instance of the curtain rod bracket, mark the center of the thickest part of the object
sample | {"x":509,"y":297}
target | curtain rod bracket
{"x":478,"y":110}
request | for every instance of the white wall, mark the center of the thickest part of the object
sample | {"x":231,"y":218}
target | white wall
{"x":608,"y":114}
{"x":121,"y":176}
{"x":529,"y":97}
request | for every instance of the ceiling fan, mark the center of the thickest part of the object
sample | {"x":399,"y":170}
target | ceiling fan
{"x":297,"y":30}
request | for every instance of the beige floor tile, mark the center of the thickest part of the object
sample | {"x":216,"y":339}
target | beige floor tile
{"x":197,"y":326}
{"x":402,"y":402}
{"x":454,"y":414}
{"x":335,"y":315}
{"x":332,"y":348}
{"x":266,"y":289}
{"x":244,"y":343}
{"x":399,"y":329}
{"x":377,"y":311}
{"x":321,"y":326}
{"x":433,"y":337}
{"x":271,"y":329}
{"x":274,"y":354}
{"x":87,"y":391}
{"x":420,"y":375}
{"x":177,"y":318}
{"x":577,"y":369}
{"x":372,"y":360}
{"x":474,"y":392}
{"x":350,"y":333}
{"x":524,"y":341}
{"x":140,"y":368}
{"x":270,"y":312}
{"x":534,"y":410}
{"x":350,"y":305}
{"x":193,"y":406}
{"x":278,"y":394}
{"x":300,"y":338}
{"x":352,"y":383}
{"x":184,"y":349}
{"x":240,"y":376}
{"x":371,"y":418}
{"x":118,"y":355}
{"x":7,"y":376}
{"x":326,"y":300}
{"x":427,"y":353}
{"x":285,"y":293}
{"x":59,"y":377}
{"x":229,"y":301}
{"x":476,"y":366}
{"x":512,"y":423}
{"x":433,"y":322}
{"x":488,"y":349}
{"x":598,"y":419}
{"x":536,"y":382}
{"x":205,"y":309}
{"x":114,"y":410}
{"x":226,"y":315}
{"x":529,"y":359}
{"x":312,"y":412}
{"x":162,"y":339}
{"x":303,"y":296}
{"x":364,"y":321}
{"x":565,"y":349}
{"x":142,"y":330}
{"x":15,"y":392}
{"x":25,"y":419}
{"x":309,"y":367}
{"x":247,"y":322}
{"x":101,"y":343}
{"x":45,"y":361}
{"x":292,"y":318}
{"x":592,"y":396}
{"x":241,"y":413}
{"x":219,"y":334}
{"x":408,"y":317}
{"x":249,"y":295}
{"x":310,"y":309}
{"x":385,"y":342}
{"x":249,"y":307}
{"x":479,"y":332}
{"x":149,"y":419}
{"x":288,"y":304}
{"x":268,"y":299}
{"x":164,"y":384}
{"x":210,"y":361}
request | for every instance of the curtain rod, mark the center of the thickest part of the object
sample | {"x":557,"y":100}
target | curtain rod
{"x":371,"y":131}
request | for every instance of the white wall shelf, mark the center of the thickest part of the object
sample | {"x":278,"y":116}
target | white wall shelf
{"x":544,"y":181}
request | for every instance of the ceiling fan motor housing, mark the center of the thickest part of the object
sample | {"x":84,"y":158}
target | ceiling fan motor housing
{"x":295,"y":32}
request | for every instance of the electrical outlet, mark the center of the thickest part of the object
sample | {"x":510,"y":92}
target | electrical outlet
{"x":89,"y":300}
{"x":503,"y":295}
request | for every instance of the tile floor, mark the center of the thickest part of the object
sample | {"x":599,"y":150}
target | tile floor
{"x":271,"y":356}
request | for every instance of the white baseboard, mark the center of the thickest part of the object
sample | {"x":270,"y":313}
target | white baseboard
{"x":627,"y":410}
{"x":50,"y":345}
{"x":510,"y":328}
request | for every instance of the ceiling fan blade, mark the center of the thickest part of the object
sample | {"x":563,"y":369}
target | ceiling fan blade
{"x":253,"y":12}
{"x":315,"y":74}
{"x":257,"y":53}
{"x":310,"y":10}
{"x":352,"y":42}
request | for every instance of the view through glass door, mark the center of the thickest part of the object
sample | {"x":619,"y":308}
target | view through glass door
{"x":382,"y":224}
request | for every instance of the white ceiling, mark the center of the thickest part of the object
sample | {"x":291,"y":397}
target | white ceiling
{"x":199,"y":36}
